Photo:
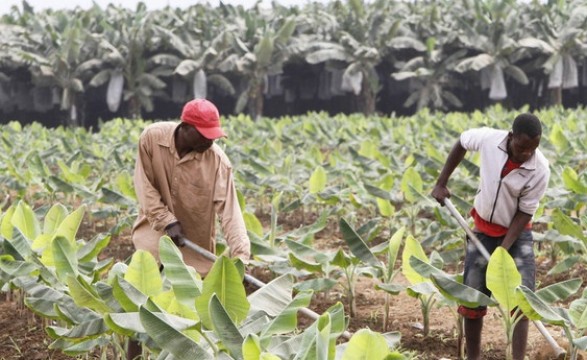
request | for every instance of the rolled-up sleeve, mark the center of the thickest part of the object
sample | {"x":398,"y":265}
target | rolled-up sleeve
{"x":230,"y":215}
{"x":150,"y":199}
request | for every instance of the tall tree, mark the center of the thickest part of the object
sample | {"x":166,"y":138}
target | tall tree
{"x":62,"y":55}
{"x":357,"y":41}
{"x":490,"y":32}
{"x":129,"y":45}
{"x":558,"y":41}
{"x":261,"y":47}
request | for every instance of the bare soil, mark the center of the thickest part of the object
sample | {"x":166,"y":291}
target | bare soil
{"x":23,"y":335}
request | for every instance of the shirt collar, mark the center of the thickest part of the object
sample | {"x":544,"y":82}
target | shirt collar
{"x":529,"y":164}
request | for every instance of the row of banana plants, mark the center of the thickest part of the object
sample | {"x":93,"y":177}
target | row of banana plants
{"x":430,"y":284}
{"x":373,"y":172}
{"x":95,"y":305}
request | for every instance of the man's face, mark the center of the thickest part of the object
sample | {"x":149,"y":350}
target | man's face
{"x":522,"y":147}
{"x":190,"y":139}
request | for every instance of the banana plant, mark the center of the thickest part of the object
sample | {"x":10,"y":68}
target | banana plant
{"x":430,"y":78}
{"x":261,"y":48}
{"x":56,"y":272}
{"x":539,"y":306}
{"x":357,"y":38}
{"x":133,"y":76}
{"x":200,"y":49}
{"x":421,"y":287}
{"x":491,"y":39}
{"x":559,"y":42}
{"x":366,"y":344}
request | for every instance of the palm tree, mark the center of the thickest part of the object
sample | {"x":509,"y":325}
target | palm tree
{"x":431,"y":80}
{"x":491,"y":43}
{"x":357,"y":41}
{"x":197,"y":45}
{"x":129,"y":47}
{"x":61,"y":54}
{"x":262,"y":45}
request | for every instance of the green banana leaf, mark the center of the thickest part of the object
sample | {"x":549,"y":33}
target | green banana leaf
{"x":84,"y":295}
{"x":559,"y":291}
{"x":185,"y":281}
{"x":129,"y":297}
{"x":224,"y":280}
{"x":356,"y":244}
{"x":534,"y":308}
{"x":287,"y":320}
{"x":225,"y":328}
{"x":503,"y":278}
{"x":25,"y":220}
{"x":274,"y":297}
{"x":366,"y":345}
{"x":143,"y":273}
{"x":86,"y":330}
{"x":169,"y":338}
{"x":413,"y":248}
{"x":64,"y":256}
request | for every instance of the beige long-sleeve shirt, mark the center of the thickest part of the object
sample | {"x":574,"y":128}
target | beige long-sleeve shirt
{"x":192,"y":190}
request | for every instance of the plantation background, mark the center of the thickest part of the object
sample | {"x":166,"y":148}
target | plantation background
{"x":81,"y":66}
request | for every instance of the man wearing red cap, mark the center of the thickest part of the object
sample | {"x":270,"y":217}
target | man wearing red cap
{"x":183,"y":180}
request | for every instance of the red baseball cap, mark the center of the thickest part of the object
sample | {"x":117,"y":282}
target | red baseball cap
{"x":204,"y":116}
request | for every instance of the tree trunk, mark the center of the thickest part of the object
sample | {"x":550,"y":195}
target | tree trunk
{"x":367,"y":98}
{"x":256,"y":99}
{"x":134,"y":108}
{"x":557,"y":95}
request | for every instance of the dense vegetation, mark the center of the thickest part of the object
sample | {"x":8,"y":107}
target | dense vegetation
{"x":75,"y":67}
{"x":368,"y":177}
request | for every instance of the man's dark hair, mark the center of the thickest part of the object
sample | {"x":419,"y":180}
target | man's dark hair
{"x":527,"y":124}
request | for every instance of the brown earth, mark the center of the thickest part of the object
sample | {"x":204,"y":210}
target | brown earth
{"x":23,"y":335}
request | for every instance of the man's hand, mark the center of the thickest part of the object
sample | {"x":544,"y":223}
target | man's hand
{"x":175,"y":232}
{"x":440,"y":192}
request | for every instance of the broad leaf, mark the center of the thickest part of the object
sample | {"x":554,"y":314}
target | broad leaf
{"x":184,"y":279}
{"x":503,"y":278}
{"x":85,"y":296}
{"x":25,"y":220}
{"x":412,"y":248}
{"x":356,"y":244}
{"x":559,"y":291}
{"x":287,"y":320}
{"x":318,"y":180}
{"x":143,"y":273}
{"x":274,"y":297}
{"x":171,"y":339}
{"x":536,"y":309}
{"x":65,"y":258}
{"x":226,"y":282}
{"x":225,"y":328}
{"x":366,"y":345}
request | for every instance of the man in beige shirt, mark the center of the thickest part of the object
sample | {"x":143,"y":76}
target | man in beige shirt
{"x":183,"y":180}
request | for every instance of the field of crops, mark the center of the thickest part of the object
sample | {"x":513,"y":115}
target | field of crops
{"x":341,"y":221}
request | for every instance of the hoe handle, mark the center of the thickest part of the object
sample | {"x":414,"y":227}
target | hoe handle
{"x":539,"y":325}
{"x":251,"y":280}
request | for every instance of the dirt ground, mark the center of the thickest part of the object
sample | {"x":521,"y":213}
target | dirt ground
{"x":23,"y":335}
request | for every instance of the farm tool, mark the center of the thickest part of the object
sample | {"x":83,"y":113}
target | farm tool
{"x":559,"y":352}
{"x":251,"y":280}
